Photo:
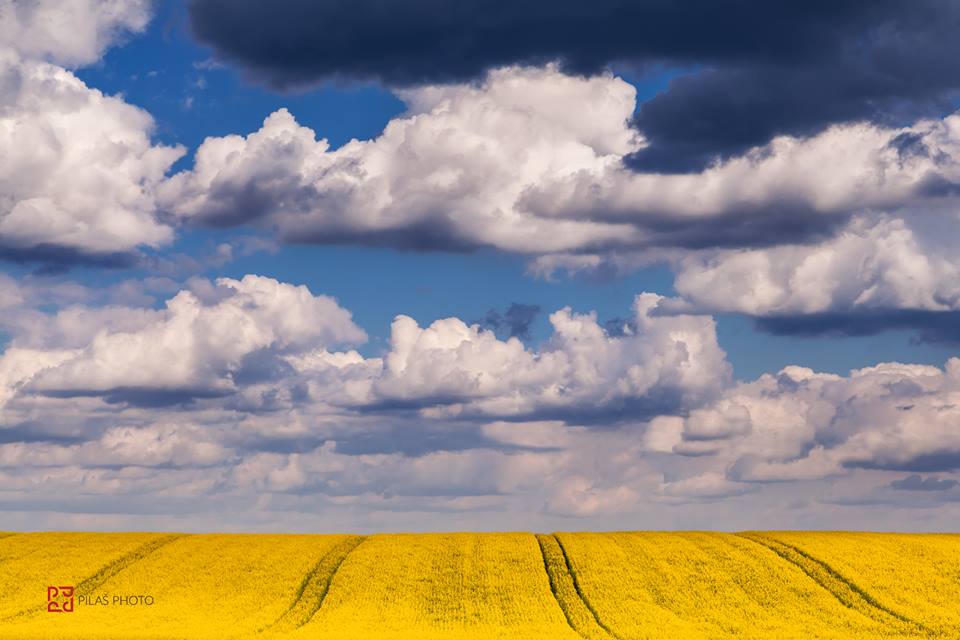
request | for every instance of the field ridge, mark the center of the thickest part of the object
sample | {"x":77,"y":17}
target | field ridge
{"x":581,"y":617}
{"x":842,"y":588}
{"x":315,"y":586}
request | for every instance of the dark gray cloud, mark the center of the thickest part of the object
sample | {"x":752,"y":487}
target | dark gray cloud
{"x":416,"y":41}
{"x":946,"y":459}
{"x":928,"y":326}
{"x":919,"y":483}
{"x":515,"y":322}
{"x":759,"y":68}
{"x":54,"y":259}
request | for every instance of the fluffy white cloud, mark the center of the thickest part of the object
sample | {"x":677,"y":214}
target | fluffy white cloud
{"x":78,"y":170}
{"x":449,"y":368}
{"x":845,"y":169}
{"x":201,"y":341}
{"x":871,"y":264}
{"x":18,"y":366}
{"x":68,"y":32}
{"x":270,"y":345}
{"x":799,"y":424}
{"x":449,"y":173}
{"x":531,"y":161}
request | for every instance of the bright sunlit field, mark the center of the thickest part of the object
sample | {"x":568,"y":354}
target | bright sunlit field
{"x":620,"y":586}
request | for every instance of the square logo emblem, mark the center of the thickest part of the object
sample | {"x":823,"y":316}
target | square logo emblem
{"x":60,"y":599}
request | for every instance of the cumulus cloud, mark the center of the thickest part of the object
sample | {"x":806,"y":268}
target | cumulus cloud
{"x":450,"y":369}
{"x":489,"y":165}
{"x":871,"y":264}
{"x":200,"y":343}
{"x":448,"y":174}
{"x":790,"y":190}
{"x":803,"y":425}
{"x":851,"y":218}
{"x":270,"y":345}
{"x":69,"y":32}
{"x":79,"y":169}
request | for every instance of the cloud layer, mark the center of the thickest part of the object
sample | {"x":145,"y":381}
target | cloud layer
{"x":239,"y":395}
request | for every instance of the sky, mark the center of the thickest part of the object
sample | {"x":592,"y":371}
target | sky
{"x":388,"y":265}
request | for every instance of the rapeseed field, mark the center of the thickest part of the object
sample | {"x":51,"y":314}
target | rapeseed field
{"x":465,"y":586}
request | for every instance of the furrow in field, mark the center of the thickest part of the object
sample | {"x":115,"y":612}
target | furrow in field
{"x":314,"y":587}
{"x":842,"y":588}
{"x":563,"y":583}
{"x":90,"y":584}
{"x":2,"y":536}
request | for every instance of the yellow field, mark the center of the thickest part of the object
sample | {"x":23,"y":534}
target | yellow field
{"x":598,"y":586}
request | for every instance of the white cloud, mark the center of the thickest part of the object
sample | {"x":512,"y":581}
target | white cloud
{"x":870,"y":264}
{"x":18,"y":366}
{"x":799,"y":424}
{"x":79,"y":170}
{"x":199,"y":342}
{"x":270,"y":344}
{"x":450,"y":172}
{"x":845,"y":169}
{"x":578,"y":495}
{"x":530,"y":161}
{"x":453,"y":369}
{"x":69,"y":32}
{"x":705,"y":486}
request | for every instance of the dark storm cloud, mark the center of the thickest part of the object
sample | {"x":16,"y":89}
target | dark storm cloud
{"x":515,"y":322}
{"x":403,"y":42}
{"x":760,"y":68}
{"x":929,"y":326}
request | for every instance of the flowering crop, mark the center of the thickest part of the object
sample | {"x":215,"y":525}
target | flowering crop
{"x":479,"y":586}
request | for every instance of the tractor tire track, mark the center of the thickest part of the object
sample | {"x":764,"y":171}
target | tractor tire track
{"x":581,"y":617}
{"x":3,"y":536}
{"x":847,"y":592}
{"x":91,"y":583}
{"x":314,"y":587}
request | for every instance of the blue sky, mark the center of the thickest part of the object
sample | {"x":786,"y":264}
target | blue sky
{"x":764,"y":232}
